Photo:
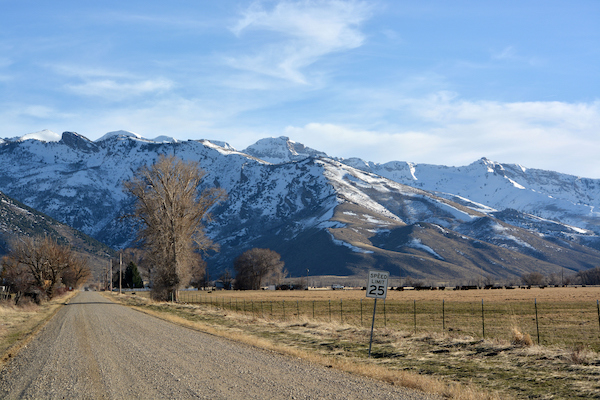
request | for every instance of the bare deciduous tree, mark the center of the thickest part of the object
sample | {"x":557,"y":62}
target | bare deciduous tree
{"x":171,"y":210}
{"x":77,"y":273}
{"x":198,"y":272}
{"x":41,"y":262}
{"x":590,"y":276}
{"x":16,"y":277}
{"x":254,"y":265}
{"x":533,"y":278}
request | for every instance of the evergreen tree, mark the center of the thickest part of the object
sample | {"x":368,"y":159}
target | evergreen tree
{"x":132,"y":277}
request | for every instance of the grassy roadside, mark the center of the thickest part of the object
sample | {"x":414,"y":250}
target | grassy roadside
{"x":449,"y":364}
{"x":333,"y":345}
{"x":18,"y":325}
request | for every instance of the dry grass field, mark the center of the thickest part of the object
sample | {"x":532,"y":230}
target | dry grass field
{"x":453,"y":362}
{"x":567,"y":316}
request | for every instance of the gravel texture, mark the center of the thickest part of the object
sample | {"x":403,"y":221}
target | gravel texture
{"x":96,"y":349}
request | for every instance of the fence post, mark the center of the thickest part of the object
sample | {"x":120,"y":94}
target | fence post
{"x":341,"y":313}
{"x":415,"y":314}
{"x":537,"y":325}
{"x":313,"y":309}
{"x":443,"y":315}
{"x":482,"y":320}
{"x":298,"y":309}
{"x":361,"y":312}
{"x":384,"y":314}
{"x":283,"y":305}
{"x":262,"y":312}
{"x":598,"y":306}
{"x":329,"y":310}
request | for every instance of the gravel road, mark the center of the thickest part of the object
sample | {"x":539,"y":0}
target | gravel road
{"x":95,"y":349}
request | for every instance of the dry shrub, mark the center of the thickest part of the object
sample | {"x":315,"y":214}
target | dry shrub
{"x":521,"y":339}
{"x":579,"y":355}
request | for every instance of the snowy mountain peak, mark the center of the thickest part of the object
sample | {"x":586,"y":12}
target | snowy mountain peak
{"x":281,"y":150}
{"x":164,"y":139}
{"x":45,"y":135}
{"x":120,"y":134}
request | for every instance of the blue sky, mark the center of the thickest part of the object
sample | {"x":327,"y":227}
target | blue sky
{"x":435,"y":82}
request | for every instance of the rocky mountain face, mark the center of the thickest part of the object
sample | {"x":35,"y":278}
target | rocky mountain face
{"x":330,"y":216}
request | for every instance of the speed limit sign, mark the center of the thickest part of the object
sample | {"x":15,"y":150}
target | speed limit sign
{"x":377,"y":289}
{"x":377,"y":284}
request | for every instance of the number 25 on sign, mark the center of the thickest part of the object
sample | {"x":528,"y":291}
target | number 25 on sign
{"x":376,"y":288}
{"x":377,"y":284}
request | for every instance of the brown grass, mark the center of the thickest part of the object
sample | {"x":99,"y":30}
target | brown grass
{"x":507,"y":363}
{"x":566,"y":316}
{"x":19,"y":324}
{"x":520,"y":339}
{"x":273,"y":335}
{"x":549,"y":294}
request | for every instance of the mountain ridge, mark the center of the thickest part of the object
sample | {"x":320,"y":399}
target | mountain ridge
{"x":324,"y":213}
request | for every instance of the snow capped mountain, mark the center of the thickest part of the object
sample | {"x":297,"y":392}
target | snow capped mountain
{"x":44,"y":135}
{"x":281,"y":150}
{"x":333,"y":216}
{"x":121,"y":134}
{"x":550,"y":195}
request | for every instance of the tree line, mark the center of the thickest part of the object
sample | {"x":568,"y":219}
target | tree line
{"x":36,"y":266}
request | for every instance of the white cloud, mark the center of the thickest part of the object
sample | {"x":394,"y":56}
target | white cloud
{"x":549,"y":135}
{"x":304,"y":32}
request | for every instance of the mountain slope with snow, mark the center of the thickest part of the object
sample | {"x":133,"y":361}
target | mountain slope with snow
{"x":332,"y":216}
{"x":16,"y":219}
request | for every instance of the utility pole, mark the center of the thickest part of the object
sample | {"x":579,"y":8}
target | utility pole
{"x":120,"y":270}
{"x":110,"y":276}
{"x":306,"y":278}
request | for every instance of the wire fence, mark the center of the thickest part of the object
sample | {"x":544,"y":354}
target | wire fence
{"x":547,"y":323}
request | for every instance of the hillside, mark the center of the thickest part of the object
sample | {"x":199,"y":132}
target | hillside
{"x":17,"y":219}
{"x":328,"y":215}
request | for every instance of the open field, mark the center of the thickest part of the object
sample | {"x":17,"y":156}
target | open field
{"x":503,"y":368}
{"x":566,"y":316}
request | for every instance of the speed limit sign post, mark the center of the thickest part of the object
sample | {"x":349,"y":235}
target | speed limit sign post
{"x":377,"y":285}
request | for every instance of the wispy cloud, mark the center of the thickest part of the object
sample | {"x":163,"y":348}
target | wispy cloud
{"x":303,"y":32}
{"x":108,"y":83}
{"x":510,"y":54}
{"x":87,"y":72}
{"x":111,"y":89}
